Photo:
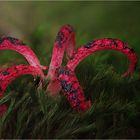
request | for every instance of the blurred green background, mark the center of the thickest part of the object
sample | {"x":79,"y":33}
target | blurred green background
{"x":37,"y":23}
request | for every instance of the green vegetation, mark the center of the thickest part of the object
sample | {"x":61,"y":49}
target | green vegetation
{"x":33,"y":113}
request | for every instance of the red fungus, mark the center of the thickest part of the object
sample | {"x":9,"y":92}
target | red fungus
{"x":61,"y":77}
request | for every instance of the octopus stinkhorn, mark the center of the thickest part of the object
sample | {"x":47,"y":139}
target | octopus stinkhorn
{"x":61,"y":77}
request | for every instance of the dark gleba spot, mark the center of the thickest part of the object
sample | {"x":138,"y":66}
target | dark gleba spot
{"x":73,"y":91}
{"x":1,"y":40}
{"x":0,"y":89}
{"x":60,"y":38}
{"x":5,"y":73}
{"x":125,"y":47}
{"x":15,"y":41}
{"x":63,"y":82}
{"x":114,"y":43}
{"x":63,"y":70}
{"x":69,"y":28}
{"x":89,"y":45}
{"x":130,"y":49}
{"x":72,"y":97}
{"x":66,"y":87}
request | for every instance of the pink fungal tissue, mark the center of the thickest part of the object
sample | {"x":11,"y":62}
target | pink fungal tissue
{"x":60,"y":77}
